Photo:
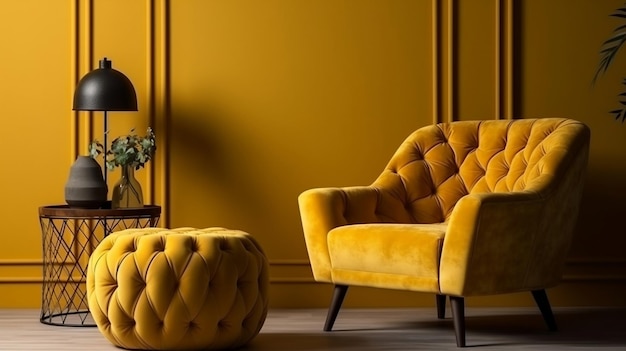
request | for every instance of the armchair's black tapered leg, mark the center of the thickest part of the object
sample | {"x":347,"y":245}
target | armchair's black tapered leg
{"x":458,"y":314}
{"x":441,"y":306}
{"x":335,"y":305}
{"x":541,"y":298}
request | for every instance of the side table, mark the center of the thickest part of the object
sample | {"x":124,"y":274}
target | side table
{"x":69,"y":236}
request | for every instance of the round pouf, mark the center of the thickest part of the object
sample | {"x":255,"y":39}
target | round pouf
{"x":178,"y":289}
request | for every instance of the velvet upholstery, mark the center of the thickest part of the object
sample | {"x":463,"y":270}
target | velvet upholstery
{"x":462,"y":209}
{"x":178,"y":289}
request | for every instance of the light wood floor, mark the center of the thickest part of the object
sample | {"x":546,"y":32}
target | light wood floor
{"x":371,"y":329}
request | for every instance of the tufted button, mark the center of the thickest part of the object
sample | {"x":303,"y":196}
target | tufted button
{"x":416,"y":154}
{"x":194,"y":246}
{"x":224,"y":246}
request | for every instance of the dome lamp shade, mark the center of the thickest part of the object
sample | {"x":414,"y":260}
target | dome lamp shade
{"x":105,"y":89}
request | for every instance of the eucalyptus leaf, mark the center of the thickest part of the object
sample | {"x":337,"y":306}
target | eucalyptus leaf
{"x":129,"y":150}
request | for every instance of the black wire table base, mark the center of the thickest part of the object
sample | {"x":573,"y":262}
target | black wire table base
{"x":69,"y":319}
{"x":69,"y":238}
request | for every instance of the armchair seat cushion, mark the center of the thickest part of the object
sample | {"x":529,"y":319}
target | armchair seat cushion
{"x":403,"y":256}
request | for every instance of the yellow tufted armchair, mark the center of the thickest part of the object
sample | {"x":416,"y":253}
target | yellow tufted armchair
{"x":462,"y":209}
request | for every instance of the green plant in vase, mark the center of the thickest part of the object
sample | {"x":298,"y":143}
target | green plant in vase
{"x":130,"y":152}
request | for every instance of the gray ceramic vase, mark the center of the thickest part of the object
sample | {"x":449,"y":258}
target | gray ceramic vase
{"x":85,"y":187}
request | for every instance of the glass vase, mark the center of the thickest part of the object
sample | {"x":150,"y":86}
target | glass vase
{"x":127,"y":191}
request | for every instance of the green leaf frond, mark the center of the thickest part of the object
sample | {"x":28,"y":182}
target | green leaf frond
{"x":620,"y":113}
{"x":611,"y":46}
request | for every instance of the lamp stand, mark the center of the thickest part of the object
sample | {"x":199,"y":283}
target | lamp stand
{"x":104,"y":147}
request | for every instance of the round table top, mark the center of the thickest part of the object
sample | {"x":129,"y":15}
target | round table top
{"x":106,"y":211}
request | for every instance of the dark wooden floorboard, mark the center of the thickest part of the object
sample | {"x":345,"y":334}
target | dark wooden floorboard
{"x":369,"y":329}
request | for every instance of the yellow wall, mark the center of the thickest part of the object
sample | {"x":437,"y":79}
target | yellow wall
{"x":255,"y":101}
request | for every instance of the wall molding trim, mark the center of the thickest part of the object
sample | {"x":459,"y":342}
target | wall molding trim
{"x":74,"y":74}
{"x":81,"y":129}
{"x":297,"y":271}
{"x":504,"y":59}
{"x":150,"y":88}
{"x":21,"y":262}
{"x":305,"y":262}
{"x":444,"y":60}
{"x":591,"y":269}
{"x":159,"y":100}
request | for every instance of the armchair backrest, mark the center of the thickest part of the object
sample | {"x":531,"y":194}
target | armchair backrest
{"x":439,"y":164}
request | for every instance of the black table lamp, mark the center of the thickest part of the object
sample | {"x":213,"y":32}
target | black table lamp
{"x":105,"y":89}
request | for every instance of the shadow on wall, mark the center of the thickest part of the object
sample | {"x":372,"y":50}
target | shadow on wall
{"x":600,"y":233}
{"x":206,"y":159}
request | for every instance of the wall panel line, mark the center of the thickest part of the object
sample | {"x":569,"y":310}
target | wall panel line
{"x":443,"y":60}
{"x":505,"y":70}
{"x":80,"y":61}
{"x":21,"y":262}
{"x":74,"y":74}
{"x":498,"y":59}
{"x":150,"y":84}
{"x":307,"y":280}
{"x":305,"y":262}
{"x":436,"y":54}
{"x":162,"y":102}
{"x":449,"y":59}
{"x":572,"y":260}
{"x":595,"y":263}
{"x":86,"y":52}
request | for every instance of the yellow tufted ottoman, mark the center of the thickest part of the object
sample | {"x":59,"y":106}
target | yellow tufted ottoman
{"x":174,"y":289}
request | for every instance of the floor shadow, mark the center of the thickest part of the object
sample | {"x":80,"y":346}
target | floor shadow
{"x":603,"y":326}
{"x":587,"y":329}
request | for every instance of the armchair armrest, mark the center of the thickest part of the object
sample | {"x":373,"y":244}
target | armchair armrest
{"x":489,"y":243}
{"x":323,"y":209}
